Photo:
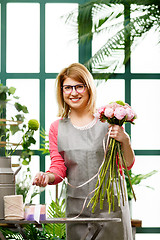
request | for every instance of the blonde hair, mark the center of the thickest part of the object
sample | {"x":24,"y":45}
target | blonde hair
{"x":79,"y":73}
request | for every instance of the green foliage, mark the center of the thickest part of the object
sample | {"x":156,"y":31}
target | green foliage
{"x":14,"y":125}
{"x":120,"y":103}
{"x":56,"y":210}
{"x":23,"y":185}
{"x":107,"y":19}
{"x":45,"y":145}
{"x":136,"y":180}
{"x":20,"y":107}
{"x":10,"y":234}
{"x":32,"y":232}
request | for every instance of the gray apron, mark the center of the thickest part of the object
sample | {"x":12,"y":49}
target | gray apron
{"x":83,"y":154}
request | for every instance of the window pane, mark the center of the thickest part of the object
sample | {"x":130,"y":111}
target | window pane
{"x":51,"y":107}
{"x":145,"y":57}
{"x":106,"y":36}
{"x":23,"y":26}
{"x":147,"y":207}
{"x":28,"y":91}
{"x":147,"y":236}
{"x":145,"y":102}
{"x":61,"y":44}
{"x":109,"y":91}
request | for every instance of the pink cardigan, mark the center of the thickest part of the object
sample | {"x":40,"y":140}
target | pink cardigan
{"x":57,"y":162}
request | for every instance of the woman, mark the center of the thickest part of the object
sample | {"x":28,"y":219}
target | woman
{"x":76,"y":150}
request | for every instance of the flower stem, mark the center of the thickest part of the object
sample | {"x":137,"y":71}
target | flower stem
{"x":125,"y":165}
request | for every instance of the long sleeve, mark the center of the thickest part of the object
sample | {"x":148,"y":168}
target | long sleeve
{"x":57,"y":166}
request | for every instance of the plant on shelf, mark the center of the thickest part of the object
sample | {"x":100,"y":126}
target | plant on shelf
{"x":12,"y":122}
{"x":10,"y":125}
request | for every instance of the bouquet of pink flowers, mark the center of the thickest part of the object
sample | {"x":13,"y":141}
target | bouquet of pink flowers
{"x":114,"y":113}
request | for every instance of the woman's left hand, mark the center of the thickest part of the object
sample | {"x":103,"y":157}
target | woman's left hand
{"x":118,"y":133}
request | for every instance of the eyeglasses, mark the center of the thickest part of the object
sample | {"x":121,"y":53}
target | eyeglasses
{"x":79,"y":88}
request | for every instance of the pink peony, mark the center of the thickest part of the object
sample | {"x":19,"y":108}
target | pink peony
{"x":113,"y":105}
{"x":109,"y":112}
{"x":130,"y":114}
{"x":120,"y":113}
{"x":101,"y":110}
{"x":127,"y":105}
{"x":97,"y":115}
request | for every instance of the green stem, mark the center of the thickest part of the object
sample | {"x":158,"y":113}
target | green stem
{"x":120,"y":159}
{"x":102,"y":176}
{"x":125,"y":165}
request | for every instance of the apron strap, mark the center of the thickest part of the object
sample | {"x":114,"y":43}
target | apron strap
{"x":99,"y":228}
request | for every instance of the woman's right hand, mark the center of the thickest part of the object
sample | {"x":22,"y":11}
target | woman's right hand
{"x":41,"y":179}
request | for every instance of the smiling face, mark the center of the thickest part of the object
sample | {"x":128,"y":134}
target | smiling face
{"x":75,"y":100}
{"x":74,"y":74}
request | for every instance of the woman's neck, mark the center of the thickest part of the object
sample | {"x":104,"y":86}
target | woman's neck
{"x":81,"y":118}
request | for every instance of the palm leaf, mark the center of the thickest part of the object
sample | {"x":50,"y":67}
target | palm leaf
{"x":136,"y":180}
{"x":146,"y":16}
{"x":9,"y":234}
{"x":56,"y":210}
{"x":45,"y":145}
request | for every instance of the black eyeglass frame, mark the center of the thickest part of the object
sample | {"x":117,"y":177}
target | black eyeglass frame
{"x":75,"y":87}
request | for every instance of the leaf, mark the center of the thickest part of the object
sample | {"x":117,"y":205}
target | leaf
{"x":45,"y":145}
{"x":9,"y":234}
{"x":108,"y":15}
{"x":56,"y":210}
{"x":136,"y":180}
{"x":32,"y":140}
{"x":20,"y":107}
{"x":14,"y":129}
{"x":20,"y":117}
{"x":25,"y":162}
{"x":12,"y":90}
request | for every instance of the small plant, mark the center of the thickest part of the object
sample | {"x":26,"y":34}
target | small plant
{"x":23,"y":186}
{"x":136,"y":180}
{"x":11,"y":125}
{"x":27,"y":140}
